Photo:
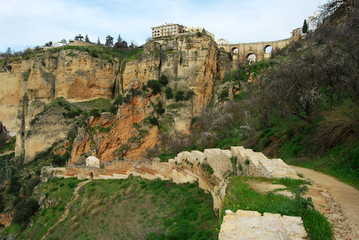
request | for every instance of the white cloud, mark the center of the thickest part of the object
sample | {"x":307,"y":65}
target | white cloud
{"x":30,"y":23}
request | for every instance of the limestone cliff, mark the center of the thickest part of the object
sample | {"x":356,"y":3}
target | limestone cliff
{"x":188,"y":61}
{"x":30,"y":84}
{"x":110,"y":137}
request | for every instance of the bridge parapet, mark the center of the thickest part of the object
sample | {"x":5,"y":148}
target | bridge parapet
{"x":257,"y":51}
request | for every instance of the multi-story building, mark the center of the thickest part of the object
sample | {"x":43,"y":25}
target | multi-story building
{"x":222,"y":42}
{"x":166,"y":30}
{"x":297,"y":33}
{"x":169,"y":30}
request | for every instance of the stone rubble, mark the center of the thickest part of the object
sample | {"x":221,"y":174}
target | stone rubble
{"x":245,"y":225}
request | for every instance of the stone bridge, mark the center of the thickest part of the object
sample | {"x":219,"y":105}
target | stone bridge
{"x":252,"y":52}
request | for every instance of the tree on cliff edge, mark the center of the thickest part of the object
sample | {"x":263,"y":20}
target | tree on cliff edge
{"x":109,"y":41}
{"x":305,"y":27}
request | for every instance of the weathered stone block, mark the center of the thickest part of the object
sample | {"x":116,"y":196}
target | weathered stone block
{"x":251,"y":225}
{"x":219,"y":160}
{"x":93,"y":162}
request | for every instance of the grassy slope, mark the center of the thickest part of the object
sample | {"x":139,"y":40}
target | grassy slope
{"x":126,"y":209}
{"x":59,"y":193}
{"x":294,"y":140}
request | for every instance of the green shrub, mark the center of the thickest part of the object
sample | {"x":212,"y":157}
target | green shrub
{"x":113,"y":109}
{"x":169,"y":93}
{"x":127,"y":98}
{"x":189,"y":95}
{"x":25,"y":76}
{"x":118,"y":100}
{"x":160,"y":108}
{"x":29,"y":187}
{"x":60,"y":160}
{"x":95,"y":112}
{"x":72,"y":113}
{"x":123,"y":149}
{"x":2,"y":204}
{"x":180,"y":96}
{"x":206,"y":167}
{"x":155,"y":86}
{"x":163,"y":80}
{"x":223,"y":94}
{"x":71,"y":185}
{"x":153,"y":120}
{"x":24,"y":210}
{"x":14,"y":185}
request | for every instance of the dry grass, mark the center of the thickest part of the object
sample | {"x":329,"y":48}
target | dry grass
{"x":339,"y":125}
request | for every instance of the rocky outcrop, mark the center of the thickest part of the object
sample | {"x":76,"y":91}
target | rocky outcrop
{"x":252,"y":225}
{"x":72,"y":74}
{"x":109,"y":137}
{"x":4,"y":134}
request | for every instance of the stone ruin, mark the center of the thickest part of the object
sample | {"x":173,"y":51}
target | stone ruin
{"x":92,"y":162}
{"x":244,"y":225}
{"x":211,"y":168}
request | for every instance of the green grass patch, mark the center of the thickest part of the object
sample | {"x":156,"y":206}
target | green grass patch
{"x":99,"y":103}
{"x":166,"y":156}
{"x":135,"y":208}
{"x":240,"y":196}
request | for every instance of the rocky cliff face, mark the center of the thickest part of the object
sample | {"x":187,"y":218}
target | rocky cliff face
{"x":32,"y":84}
{"x":188,"y":61}
{"x":4,"y":134}
{"x":110,"y":137}
{"x":29,"y":85}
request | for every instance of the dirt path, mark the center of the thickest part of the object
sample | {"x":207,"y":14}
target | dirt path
{"x":67,"y":208}
{"x":341,"y":203}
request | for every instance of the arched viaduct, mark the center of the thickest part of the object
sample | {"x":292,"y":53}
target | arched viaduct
{"x":249,"y":52}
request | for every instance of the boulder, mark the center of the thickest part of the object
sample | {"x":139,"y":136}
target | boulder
{"x":93,"y":162}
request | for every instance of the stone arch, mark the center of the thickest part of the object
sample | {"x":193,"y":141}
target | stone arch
{"x":235,"y":50}
{"x":91,"y":175}
{"x":268,"y":49}
{"x":251,"y":58}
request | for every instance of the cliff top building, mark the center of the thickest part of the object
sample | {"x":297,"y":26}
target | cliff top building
{"x":166,"y":30}
{"x":171,"y":29}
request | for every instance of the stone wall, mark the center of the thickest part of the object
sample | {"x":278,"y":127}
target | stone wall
{"x":189,"y":167}
{"x":186,"y":167}
{"x":252,"y":225}
{"x":258,"y":165}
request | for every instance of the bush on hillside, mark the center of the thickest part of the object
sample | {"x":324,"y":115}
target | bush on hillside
{"x":180,"y":96}
{"x":95,"y":113}
{"x":155,"y":86}
{"x":163,"y":80}
{"x":24,"y":210}
{"x":169,"y":93}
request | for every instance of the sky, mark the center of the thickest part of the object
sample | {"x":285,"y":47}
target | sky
{"x":30,"y":23}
